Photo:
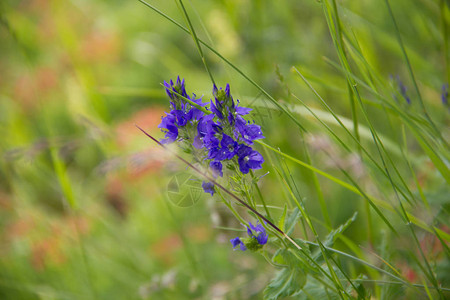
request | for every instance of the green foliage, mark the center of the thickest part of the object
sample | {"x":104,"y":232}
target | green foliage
{"x":333,"y":235}
{"x":90,"y":210}
{"x":282,"y":220}
{"x":287,"y":282}
{"x":293,"y":279}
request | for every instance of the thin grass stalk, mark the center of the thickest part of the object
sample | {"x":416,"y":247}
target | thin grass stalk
{"x":377,"y":143}
{"x":411,"y":73}
{"x":380,"y":168}
{"x":404,"y":150}
{"x":415,"y":129}
{"x":261,"y":197}
{"x":208,"y":177}
{"x":283,"y":162}
{"x":228,"y":63}
{"x":334,"y":276}
{"x":197,"y":44}
{"x":445,"y":10}
{"x":318,"y":189}
{"x":349,"y":89}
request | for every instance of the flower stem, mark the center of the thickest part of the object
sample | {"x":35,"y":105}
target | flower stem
{"x":208,"y":177}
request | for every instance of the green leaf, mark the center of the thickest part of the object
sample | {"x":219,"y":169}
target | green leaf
{"x":331,"y":237}
{"x":294,"y":258}
{"x":281,"y":222}
{"x":313,"y":289}
{"x":286,"y":283}
{"x":360,"y":289}
{"x":292,"y":220}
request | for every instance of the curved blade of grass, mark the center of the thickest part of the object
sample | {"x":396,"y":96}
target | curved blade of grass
{"x":373,"y":201}
{"x":411,"y":73}
{"x":195,"y":38}
{"x":333,"y":277}
{"x":282,"y":108}
{"x":209,"y":178}
{"x":425,"y":145}
{"x":350,"y":91}
{"x":379,"y":146}
{"x":356,"y":139}
{"x":376,"y":201}
{"x":414,"y":220}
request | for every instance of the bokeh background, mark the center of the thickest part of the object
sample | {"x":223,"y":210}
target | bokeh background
{"x":84,"y":209}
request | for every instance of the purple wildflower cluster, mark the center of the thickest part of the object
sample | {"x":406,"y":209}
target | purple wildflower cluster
{"x":183,"y":115}
{"x":258,"y":238}
{"x":218,"y":136}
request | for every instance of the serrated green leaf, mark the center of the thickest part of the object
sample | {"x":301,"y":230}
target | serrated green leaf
{"x":331,"y":237}
{"x":304,"y":256}
{"x":286,"y":283}
{"x":287,"y":258}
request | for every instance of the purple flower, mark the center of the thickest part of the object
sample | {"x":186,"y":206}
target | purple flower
{"x":258,"y":232}
{"x":249,"y":132}
{"x":242,"y":111}
{"x":228,"y":148}
{"x":212,"y":143}
{"x":216,"y":168}
{"x":218,"y":133}
{"x":211,"y":139}
{"x":198,"y":142}
{"x":172,"y":89}
{"x":258,"y":238}
{"x":444,"y":95}
{"x":237,"y":241}
{"x":182,"y":113}
{"x":168,"y":126}
{"x":248,"y":158}
{"x":217,"y":109}
{"x":252,"y":132}
{"x":403,"y":90}
{"x":204,"y":123}
{"x":227,"y":91}
{"x":181,"y":117}
{"x":208,"y":187}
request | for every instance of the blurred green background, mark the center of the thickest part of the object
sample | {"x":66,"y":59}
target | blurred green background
{"x":84,"y":211}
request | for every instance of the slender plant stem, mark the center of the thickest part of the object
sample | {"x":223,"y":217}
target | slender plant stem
{"x":197,"y":44}
{"x":411,"y":73}
{"x":208,"y":177}
{"x":258,"y":190}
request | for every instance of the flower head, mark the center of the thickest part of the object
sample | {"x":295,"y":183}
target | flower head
{"x":249,"y":132}
{"x":208,"y":187}
{"x":248,"y":159}
{"x":257,"y":238}
{"x":216,"y":168}
{"x":237,"y":241}
{"x":258,"y":232}
{"x":228,"y":148}
{"x":173,"y":90}
{"x":217,"y":137}
{"x":183,"y":117}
